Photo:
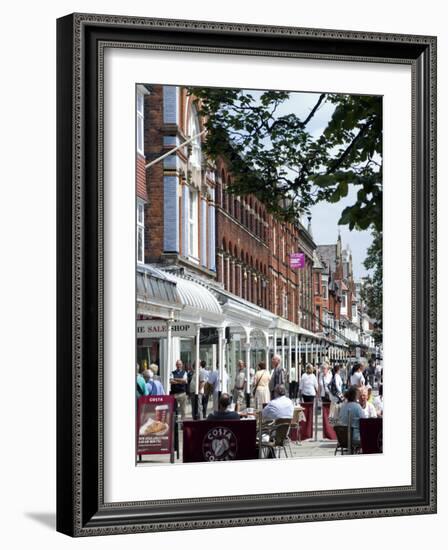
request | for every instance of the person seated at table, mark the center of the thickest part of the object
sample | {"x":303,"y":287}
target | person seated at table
{"x":223,"y":413}
{"x":279,"y":407}
{"x":353,"y":408}
{"x":367,"y":407}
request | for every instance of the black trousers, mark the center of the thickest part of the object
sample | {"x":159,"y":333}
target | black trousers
{"x":308,"y":398}
{"x":199,"y":404}
{"x":293,"y":390}
{"x":204,"y":405}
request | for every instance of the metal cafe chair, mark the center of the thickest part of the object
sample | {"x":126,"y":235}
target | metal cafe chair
{"x":344,"y":434}
{"x":295,"y":426}
{"x":277,"y":437}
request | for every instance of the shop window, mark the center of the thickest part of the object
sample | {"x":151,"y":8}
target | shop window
{"x":230,"y":200}
{"x":193,"y":223}
{"x":218,"y":194}
{"x":195,"y":159}
{"x":237,"y":208}
{"x":274,"y":297}
{"x":140,"y":125}
{"x":140,"y":237}
{"x":226,"y":274}
{"x":285,"y":305}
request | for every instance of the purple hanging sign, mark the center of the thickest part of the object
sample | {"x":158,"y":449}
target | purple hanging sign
{"x":297,"y":260}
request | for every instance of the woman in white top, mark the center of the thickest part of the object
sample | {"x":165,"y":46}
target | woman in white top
{"x":357,"y":377}
{"x":308,"y":385}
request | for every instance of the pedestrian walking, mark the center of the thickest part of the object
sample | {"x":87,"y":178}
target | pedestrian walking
{"x":308,"y":385}
{"x":324,"y":382}
{"x":178,"y":382}
{"x":278,"y":375}
{"x":240,"y":386}
{"x":357,"y":378}
{"x":261,"y":386}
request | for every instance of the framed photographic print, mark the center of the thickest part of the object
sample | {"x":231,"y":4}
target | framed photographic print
{"x":246,"y":274}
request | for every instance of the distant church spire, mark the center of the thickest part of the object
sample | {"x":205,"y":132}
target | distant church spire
{"x":339,"y":246}
{"x":310,"y":231}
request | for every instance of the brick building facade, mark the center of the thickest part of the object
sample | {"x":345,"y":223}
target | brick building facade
{"x":180,"y":212}
{"x":253,"y":255}
{"x":187,"y":223}
{"x":192,"y":222}
{"x":339,"y":296}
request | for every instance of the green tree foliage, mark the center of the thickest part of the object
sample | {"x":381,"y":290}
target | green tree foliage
{"x":275,"y":157}
{"x":372,"y":293}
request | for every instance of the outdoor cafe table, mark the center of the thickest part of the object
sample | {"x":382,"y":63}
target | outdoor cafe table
{"x":306,"y":424}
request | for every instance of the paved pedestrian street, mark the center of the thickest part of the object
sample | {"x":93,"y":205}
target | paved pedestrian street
{"x":305,"y":449}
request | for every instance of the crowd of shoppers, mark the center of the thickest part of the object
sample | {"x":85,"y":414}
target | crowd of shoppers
{"x":265,"y":390}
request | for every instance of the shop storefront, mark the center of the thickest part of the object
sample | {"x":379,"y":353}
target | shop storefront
{"x":176,"y":319}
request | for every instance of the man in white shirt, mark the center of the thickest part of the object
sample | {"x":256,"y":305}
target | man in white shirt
{"x":279,"y":407}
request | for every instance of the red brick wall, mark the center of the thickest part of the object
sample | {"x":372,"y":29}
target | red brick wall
{"x":318,"y":301}
{"x":295,"y":282}
{"x":244,"y":230}
{"x":248,"y":235}
{"x":154,"y":175}
{"x":244,"y":249}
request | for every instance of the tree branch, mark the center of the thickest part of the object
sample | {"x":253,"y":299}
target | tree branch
{"x":314,"y":109}
{"x":337,"y":163}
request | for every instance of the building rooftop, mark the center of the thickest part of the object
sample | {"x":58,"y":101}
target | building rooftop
{"x":317,"y":264}
{"x":327,"y":254}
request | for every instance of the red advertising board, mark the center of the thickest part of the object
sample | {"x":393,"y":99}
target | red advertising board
{"x":306,"y":427}
{"x":327,"y":428}
{"x":155,"y":423}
